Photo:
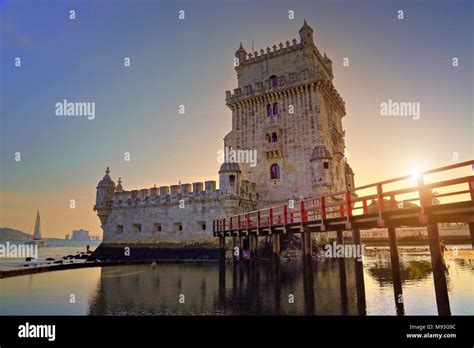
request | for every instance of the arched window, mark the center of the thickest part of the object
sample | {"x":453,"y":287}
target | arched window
{"x":274,"y":81}
{"x":275,"y":109}
{"x":269,"y":110}
{"x":274,"y":138}
{"x":231,"y":180}
{"x":275,"y":171}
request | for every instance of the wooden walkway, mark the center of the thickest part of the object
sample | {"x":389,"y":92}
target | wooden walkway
{"x":440,"y":195}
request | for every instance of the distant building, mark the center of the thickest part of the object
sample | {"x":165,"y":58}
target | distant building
{"x":67,"y":237}
{"x":80,"y":235}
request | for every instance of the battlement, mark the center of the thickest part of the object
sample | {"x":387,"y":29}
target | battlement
{"x":258,"y":56}
{"x":174,"y":194}
{"x":286,"y":82}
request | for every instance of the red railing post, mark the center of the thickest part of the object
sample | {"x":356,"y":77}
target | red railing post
{"x":223,"y":224}
{"x":380,"y":202}
{"x":341,"y":209}
{"x":302,"y":212}
{"x":258,"y":219}
{"x":271,"y":217}
{"x":364,"y":205}
{"x":425,"y":200}
{"x":393,"y":202}
{"x":380,"y":199}
{"x":349,"y":203}
{"x":285,"y":214}
{"x":248,"y":220}
{"x":323,"y":208}
{"x":230,"y":223}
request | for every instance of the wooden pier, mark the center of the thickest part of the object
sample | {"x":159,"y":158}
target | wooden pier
{"x":442,"y":195}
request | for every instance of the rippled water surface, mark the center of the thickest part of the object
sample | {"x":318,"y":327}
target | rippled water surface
{"x":208,"y":289}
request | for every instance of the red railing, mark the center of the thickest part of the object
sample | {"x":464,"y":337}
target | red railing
{"x":364,"y":200}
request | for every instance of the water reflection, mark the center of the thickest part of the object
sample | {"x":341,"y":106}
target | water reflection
{"x":324,"y":287}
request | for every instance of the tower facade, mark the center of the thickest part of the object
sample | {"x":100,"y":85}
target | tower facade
{"x":286,"y":108}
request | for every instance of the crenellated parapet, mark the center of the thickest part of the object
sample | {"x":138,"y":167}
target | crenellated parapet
{"x":287,"y":84}
{"x":196,"y":192}
{"x":291,"y":84}
{"x":258,"y":56}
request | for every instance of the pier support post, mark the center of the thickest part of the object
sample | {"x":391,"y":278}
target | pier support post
{"x":439,"y":276}
{"x":241,"y":248}
{"x":253,"y":247}
{"x":342,"y":276}
{"x":308,"y":287}
{"x":221,"y":286}
{"x":396,"y":276}
{"x":307,"y":244}
{"x":471,"y":231}
{"x":276,"y":247}
{"x":221,"y":248}
{"x":234,"y":248}
{"x":359,"y":275}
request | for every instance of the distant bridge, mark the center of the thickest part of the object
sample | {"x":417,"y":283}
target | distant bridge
{"x":440,"y":195}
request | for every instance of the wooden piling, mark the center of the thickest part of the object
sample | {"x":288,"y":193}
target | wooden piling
{"x":306,"y":242}
{"x":241,"y":248}
{"x":308,"y":287}
{"x":221,"y":248}
{"x":359,"y":275}
{"x":235,"y":251}
{"x":276,"y":247}
{"x":396,"y":275}
{"x":342,"y":277}
{"x":438,"y":266}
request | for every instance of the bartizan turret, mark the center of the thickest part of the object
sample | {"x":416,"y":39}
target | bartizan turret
{"x":229,"y":178}
{"x":104,"y":197}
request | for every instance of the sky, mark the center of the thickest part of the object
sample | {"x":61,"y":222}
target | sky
{"x":190,"y":62}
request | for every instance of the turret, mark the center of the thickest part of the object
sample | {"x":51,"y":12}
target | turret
{"x":349,"y":177}
{"x":321,"y":160}
{"x":229,"y":178}
{"x":306,"y":34}
{"x":241,"y":54}
{"x":119,"y":187}
{"x":104,"y":197}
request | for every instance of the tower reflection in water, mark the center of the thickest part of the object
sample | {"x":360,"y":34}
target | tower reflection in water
{"x":247,"y":288}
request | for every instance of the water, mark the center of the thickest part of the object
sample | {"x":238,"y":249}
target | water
{"x":240,"y":290}
{"x":52,"y":249}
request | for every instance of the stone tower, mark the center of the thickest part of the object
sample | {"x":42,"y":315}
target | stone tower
{"x":286,"y":108}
